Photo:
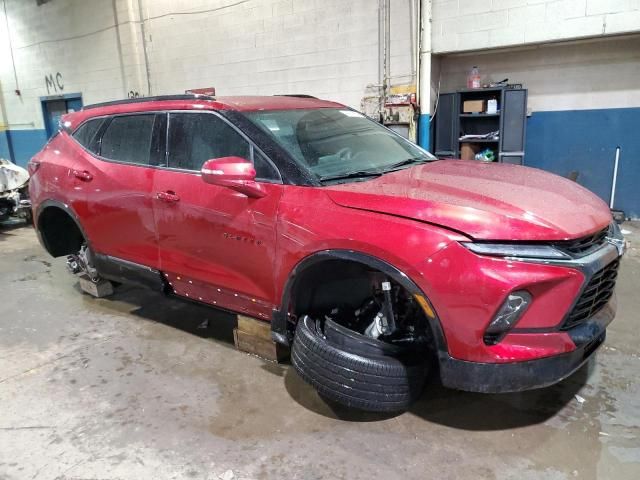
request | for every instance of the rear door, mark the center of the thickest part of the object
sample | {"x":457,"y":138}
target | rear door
{"x":116,"y":181}
{"x":216,"y":244}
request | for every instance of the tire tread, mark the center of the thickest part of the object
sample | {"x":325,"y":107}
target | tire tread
{"x":381,"y":384}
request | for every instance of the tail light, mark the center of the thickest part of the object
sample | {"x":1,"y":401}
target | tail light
{"x":33,"y":166}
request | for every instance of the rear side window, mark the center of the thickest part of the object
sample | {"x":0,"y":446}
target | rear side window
{"x":195,"y":138}
{"x":86,"y":134}
{"x":128,"y":139}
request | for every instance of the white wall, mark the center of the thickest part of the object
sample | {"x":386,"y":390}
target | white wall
{"x":594,"y":74}
{"x":79,"y":43}
{"x":327,"y":48}
{"x":324,"y":48}
{"x":460,"y":25}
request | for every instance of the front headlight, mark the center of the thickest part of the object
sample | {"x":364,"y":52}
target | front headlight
{"x":516,"y":250}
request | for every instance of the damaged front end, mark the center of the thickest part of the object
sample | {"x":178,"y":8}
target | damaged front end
{"x":14,"y":192}
{"x":390,"y":315}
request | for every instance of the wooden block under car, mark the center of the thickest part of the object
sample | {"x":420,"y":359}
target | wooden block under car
{"x":254,"y":336}
{"x":473,"y":106}
{"x":101,"y":289}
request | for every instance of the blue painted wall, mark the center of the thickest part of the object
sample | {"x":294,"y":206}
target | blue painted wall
{"x":424,"y":130}
{"x":585,"y":141}
{"x":5,"y":151}
{"x":20,"y":145}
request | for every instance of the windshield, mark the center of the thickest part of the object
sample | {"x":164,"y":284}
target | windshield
{"x":338,"y":144}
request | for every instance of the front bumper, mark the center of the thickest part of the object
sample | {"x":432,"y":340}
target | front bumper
{"x":468,"y":289}
{"x":528,"y":375}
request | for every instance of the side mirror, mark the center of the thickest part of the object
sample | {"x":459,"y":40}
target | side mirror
{"x":233,"y":172}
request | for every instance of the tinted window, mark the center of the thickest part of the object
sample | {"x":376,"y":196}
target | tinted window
{"x":86,"y":134}
{"x":195,"y":138}
{"x":128,"y":139}
{"x":159,"y":141}
{"x":264,"y":169}
{"x":336,"y":142}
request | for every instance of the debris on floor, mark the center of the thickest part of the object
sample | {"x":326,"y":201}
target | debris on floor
{"x":228,"y":475}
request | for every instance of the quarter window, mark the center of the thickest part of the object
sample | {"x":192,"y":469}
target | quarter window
{"x":128,"y":139}
{"x":86,"y":134}
{"x":264,"y":169}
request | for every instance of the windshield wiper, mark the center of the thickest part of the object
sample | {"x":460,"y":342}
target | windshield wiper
{"x":404,"y":163}
{"x":349,"y":175}
{"x":376,"y":173}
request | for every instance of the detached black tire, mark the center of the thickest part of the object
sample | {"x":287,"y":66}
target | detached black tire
{"x":387,"y":382}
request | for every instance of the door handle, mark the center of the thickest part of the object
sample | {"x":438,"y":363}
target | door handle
{"x":168,"y":196}
{"x":83,"y":175}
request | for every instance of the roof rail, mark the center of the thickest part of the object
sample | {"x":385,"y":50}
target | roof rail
{"x":186,"y":96}
{"x":298,"y":95}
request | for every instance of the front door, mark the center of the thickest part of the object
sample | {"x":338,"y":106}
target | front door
{"x":216,"y":245}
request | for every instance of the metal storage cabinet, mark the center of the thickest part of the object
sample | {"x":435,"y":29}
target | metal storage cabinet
{"x":446,"y":141}
{"x":509,"y":121}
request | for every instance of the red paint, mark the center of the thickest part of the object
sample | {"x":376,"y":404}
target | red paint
{"x":235,"y":173}
{"x":241,"y":104}
{"x":218,"y":236}
{"x":217,"y":243}
{"x":485,"y":201}
{"x":468,"y":290}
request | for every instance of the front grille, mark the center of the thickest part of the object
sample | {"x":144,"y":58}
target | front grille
{"x":582,"y":245}
{"x":594,"y":296}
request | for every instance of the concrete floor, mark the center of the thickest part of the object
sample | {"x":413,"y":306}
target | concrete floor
{"x":131,"y":388}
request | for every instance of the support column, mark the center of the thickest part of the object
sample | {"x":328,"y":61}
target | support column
{"x":424,"y":74}
{"x":134,"y":62}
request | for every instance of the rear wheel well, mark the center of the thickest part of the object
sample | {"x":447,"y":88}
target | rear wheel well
{"x":60,"y":233}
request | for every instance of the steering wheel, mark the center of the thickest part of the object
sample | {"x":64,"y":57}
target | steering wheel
{"x":344,"y":154}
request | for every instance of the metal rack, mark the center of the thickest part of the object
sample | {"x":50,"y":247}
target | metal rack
{"x":509,"y":122}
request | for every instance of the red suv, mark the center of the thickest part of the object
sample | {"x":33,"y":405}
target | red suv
{"x":373,"y":260}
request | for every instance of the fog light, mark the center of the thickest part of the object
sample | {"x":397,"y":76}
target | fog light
{"x":508,"y":315}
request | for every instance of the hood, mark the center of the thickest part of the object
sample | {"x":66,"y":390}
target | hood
{"x":486,"y":201}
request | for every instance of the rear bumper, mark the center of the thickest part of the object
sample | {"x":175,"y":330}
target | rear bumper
{"x":528,"y":375}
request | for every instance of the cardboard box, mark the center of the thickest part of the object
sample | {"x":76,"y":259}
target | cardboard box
{"x":468,"y":150}
{"x":473,"y":106}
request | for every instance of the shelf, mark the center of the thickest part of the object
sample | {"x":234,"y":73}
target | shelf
{"x":453,"y":122}
{"x":481,"y":90}
{"x":479,"y":115}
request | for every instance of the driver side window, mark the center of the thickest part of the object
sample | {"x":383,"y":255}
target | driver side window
{"x":195,"y":138}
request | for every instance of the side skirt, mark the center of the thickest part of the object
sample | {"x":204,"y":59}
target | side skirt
{"x":124,"y":271}
{"x":179,"y":286}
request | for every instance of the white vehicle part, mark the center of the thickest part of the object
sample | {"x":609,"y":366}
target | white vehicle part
{"x":12,"y":177}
